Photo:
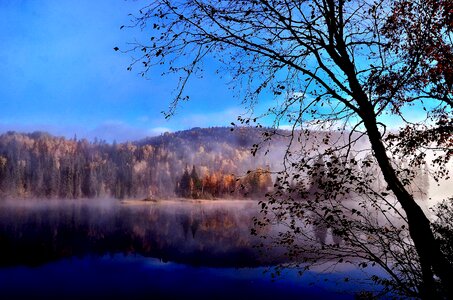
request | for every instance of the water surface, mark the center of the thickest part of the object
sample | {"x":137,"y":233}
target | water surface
{"x":155,"y":250}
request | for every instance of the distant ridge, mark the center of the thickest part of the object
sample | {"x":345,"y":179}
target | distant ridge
{"x":41,"y":165}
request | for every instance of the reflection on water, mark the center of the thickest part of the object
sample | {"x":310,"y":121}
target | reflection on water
{"x":171,"y":249}
{"x":208,"y":234}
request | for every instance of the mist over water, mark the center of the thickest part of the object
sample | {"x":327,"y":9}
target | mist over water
{"x":156,"y":245}
{"x":194,"y":233}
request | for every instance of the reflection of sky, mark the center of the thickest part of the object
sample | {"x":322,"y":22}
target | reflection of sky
{"x":59,"y":73}
{"x":119,"y":277}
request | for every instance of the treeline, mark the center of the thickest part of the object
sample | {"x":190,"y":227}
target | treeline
{"x":39,"y":165}
{"x":254,"y":184}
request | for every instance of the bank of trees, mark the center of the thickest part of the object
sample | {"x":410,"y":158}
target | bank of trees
{"x":42,"y":166}
{"x":214,"y":184}
{"x":39,"y":165}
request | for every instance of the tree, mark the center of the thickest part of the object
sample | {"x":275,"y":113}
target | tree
{"x":196,"y":190}
{"x":182,"y":188}
{"x":343,"y":66}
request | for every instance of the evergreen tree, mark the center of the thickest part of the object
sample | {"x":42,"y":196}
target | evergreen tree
{"x":183,"y":189}
{"x":196,"y":184}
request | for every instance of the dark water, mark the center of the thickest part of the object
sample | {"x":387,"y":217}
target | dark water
{"x":166,"y":250}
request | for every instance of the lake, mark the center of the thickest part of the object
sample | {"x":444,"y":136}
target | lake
{"x":95,"y":249}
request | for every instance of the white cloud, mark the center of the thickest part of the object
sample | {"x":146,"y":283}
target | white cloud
{"x":122,"y":132}
{"x":158,"y":130}
{"x":222,"y":118}
{"x":285,"y":127}
{"x":116,"y":130}
{"x":109,"y":130}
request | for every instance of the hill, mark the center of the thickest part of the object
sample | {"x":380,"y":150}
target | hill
{"x":198,"y":163}
{"x":41,"y":165}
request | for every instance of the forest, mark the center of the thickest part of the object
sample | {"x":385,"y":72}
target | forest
{"x":38,"y":165}
{"x":199,"y":163}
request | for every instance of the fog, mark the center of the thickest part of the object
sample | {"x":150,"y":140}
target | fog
{"x":195,"y":233}
{"x":198,"y":232}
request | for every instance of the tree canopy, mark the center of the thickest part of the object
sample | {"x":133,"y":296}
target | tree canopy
{"x":354,"y":66}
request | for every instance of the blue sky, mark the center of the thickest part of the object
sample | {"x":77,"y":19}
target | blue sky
{"x":59,"y":74}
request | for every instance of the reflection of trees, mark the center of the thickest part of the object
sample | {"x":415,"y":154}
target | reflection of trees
{"x":202,"y":236}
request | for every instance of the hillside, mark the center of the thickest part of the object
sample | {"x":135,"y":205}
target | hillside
{"x":41,"y":165}
{"x":197,"y":163}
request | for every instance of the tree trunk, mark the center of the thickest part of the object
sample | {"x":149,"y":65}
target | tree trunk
{"x":428,"y":249}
